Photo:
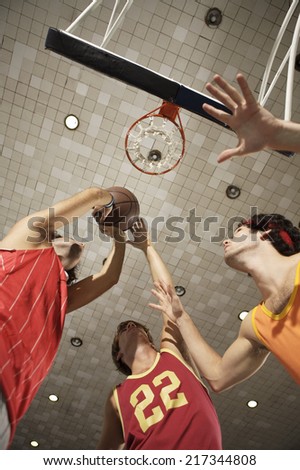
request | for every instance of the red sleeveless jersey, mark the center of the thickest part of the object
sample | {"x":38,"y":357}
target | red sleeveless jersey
{"x":167,"y":408}
{"x":280,"y":333}
{"x":33,"y":301}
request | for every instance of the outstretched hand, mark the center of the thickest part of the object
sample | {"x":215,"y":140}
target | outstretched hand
{"x":169,"y":302}
{"x":253,"y":124}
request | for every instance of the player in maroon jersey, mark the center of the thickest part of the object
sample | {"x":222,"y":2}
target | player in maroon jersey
{"x":162,"y":404}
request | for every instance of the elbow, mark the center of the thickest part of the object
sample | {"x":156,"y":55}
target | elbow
{"x":115,"y":280}
{"x":97,"y":195}
{"x":217,"y":386}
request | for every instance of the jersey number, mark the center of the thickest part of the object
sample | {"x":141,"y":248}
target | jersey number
{"x":157,"y":412}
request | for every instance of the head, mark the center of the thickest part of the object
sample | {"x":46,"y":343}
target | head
{"x":280,"y":231}
{"x":116,"y":346}
{"x":69,"y":252}
{"x":276,"y":229}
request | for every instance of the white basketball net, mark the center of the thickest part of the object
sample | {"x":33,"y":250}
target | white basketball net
{"x":155,"y":144}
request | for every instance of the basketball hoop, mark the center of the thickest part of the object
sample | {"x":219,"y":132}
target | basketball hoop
{"x":155,"y":143}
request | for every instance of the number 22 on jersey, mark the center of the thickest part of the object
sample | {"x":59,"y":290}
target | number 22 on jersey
{"x":157,"y":412}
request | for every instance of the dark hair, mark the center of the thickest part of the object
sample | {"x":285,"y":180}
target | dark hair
{"x":121,"y":366}
{"x":284,"y":236}
{"x":72,"y":275}
{"x":73,"y":272}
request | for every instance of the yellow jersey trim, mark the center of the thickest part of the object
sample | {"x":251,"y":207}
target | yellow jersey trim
{"x":288,"y":306}
{"x":255,"y":327}
{"x":116,"y":397}
{"x":142,"y":374}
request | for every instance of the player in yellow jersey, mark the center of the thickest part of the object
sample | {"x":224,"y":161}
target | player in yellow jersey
{"x":267,"y":247}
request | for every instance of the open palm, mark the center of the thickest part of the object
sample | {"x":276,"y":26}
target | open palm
{"x":169,"y":302}
{"x":253,"y":124}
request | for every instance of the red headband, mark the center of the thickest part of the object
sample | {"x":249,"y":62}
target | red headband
{"x":286,"y":238}
{"x":282,"y":233}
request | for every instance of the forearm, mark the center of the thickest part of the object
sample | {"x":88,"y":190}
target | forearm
{"x":241,"y":360}
{"x":92,"y":287}
{"x":64,"y":212}
{"x":206,"y":359}
{"x":113,"y":265}
{"x":159,"y":270}
{"x":286,"y":136}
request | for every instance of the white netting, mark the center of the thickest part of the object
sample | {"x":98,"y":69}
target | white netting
{"x":155,"y":144}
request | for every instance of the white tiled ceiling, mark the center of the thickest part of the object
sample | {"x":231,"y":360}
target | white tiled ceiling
{"x":43,"y":162}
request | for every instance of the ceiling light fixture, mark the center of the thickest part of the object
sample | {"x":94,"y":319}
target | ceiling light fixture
{"x":180,"y":290}
{"x":232,"y":192}
{"x":252,"y":404}
{"x":76,"y":342}
{"x":34,"y":443}
{"x":71,"y":122}
{"x":213,"y":17}
{"x":243,"y":314}
{"x":53,"y":397}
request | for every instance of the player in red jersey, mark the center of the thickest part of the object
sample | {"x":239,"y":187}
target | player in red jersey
{"x":162,"y":404}
{"x":35,"y":297}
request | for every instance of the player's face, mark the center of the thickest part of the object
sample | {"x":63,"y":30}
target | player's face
{"x":130,"y":334}
{"x":69,"y":251}
{"x":243,"y":240}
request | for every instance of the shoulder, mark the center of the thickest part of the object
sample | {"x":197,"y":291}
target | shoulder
{"x":166,"y":351}
{"x":247,"y":330}
{"x":170,"y":354}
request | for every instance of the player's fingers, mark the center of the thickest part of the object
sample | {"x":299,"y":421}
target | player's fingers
{"x":217,"y":113}
{"x":156,"y":307}
{"x":105,"y":211}
{"x":247,"y":93}
{"x":230,"y":90}
{"x":221,"y":96}
{"x":229,"y":153}
{"x":158,"y":294}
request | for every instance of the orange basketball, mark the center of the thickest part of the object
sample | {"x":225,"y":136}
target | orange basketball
{"x":126,"y":209}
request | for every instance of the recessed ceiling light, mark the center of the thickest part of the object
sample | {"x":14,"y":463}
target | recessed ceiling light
{"x":180,"y":290}
{"x":233,"y":191}
{"x":252,"y":403}
{"x":76,"y":342}
{"x":53,"y":397}
{"x":243,"y":314}
{"x":213,"y":17}
{"x":71,"y":122}
{"x":34,"y":444}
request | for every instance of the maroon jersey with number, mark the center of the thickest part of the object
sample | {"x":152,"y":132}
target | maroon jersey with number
{"x":33,"y":300}
{"x":167,"y":407}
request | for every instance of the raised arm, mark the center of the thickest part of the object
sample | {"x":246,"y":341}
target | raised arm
{"x":93,"y":286}
{"x":37,"y":229}
{"x":256,"y":128}
{"x":240,"y":361}
{"x":112,"y":435}
{"x":170,"y":336}
{"x":141,"y":241}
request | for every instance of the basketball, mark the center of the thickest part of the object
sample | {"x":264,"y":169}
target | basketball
{"x":126,"y":209}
